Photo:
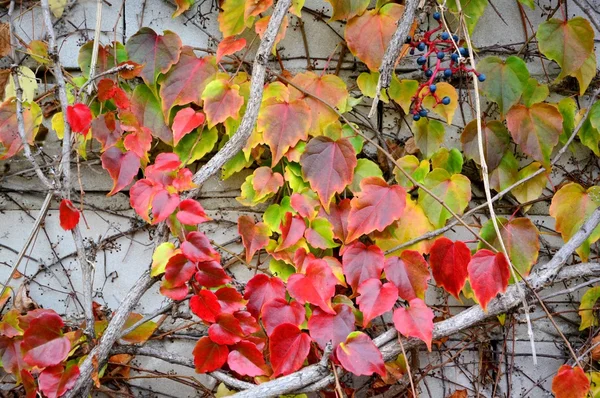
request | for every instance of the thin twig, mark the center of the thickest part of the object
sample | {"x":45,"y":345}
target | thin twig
{"x":96,"y":44}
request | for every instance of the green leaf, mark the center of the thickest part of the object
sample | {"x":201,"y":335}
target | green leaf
{"x":275,"y":214}
{"x":403,"y":92}
{"x":449,"y":160}
{"x":534,"y":92}
{"x":28,"y":84}
{"x":569,"y":43}
{"x":293,"y":176}
{"x":429,"y":135}
{"x":281,"y":269}
{"x":454,"y":191}
{"x":495,"y":142}
{"x":57,"y":7}
{"x":196,"y":144}
{"x":586,"y":311}
{"x":231,"y":18}
{"x":235,"y":164}
{"x":346,"y":9}
{"x":528,"y":3}
{"x":417,"y":170}
{"x":320,"y":234}
{"x":532,"y":189}
{"x":364,"y":168}
{"x":472,"y":10}
{"x":147,"y":109}
{"x":506,"y":80}
{"x":585,"y":74}
{"x":568,"y":109}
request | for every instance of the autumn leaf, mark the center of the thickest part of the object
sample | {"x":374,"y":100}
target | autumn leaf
{"x":10,"y":140}
{"x":209,"y":356}
{"x":79,"y":117}
{"x":222,"y":100}
{"x":247,"y":360}
{"x":226,"y":330}
{"x":443,"y":90}
{"x":191,"y":212}
{"x":338,"y":217}
{"x":185,"y":121}
{"x":121,"y":167}
{"x":229,"y":45}
{"x":375,"y":207}
{"x":429,"y":135}
{"x":361,"y":262}
{"x":262,"y":289}
{"x":449,"y":261}
{"x":255,"y":236}
{"x":409,"y":272}
{"x":54,"y":381}
{"x":570,"y":382}
{"x":375,"y":299}
{"x":505,"y":80}
{"x":587,"y":310}
{"x":495,"y":142}
{"x":205,"y":305}
{"x":329,"y":166}
{"x":316,"y":286}
{"x":416,"y":320}
{"x":146,"y":108}
{"x":44,"y":344}
{"x":488,"y":275}
{"x":453,"y":190}
{"x":345,"y":10}
{"x":359,"y":355}
{"x":232,"y":20}
{"x":278,"y":311}
{"x":68,"y":214}
{"x":288,"y":347}
{"x":325,"y":327}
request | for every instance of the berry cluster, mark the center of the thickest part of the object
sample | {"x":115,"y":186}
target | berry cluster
{"x":444,"y":48}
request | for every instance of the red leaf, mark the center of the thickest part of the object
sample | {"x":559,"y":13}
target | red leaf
{"x":227,"y":330}
{"x":211,"y":274}
{"x":56,"y":380}
{"x":292,"y":230}
{"x":255,"y":236}
{"x":289,"y":348}
{"x":248,"y":323}
{"x":230,"y":300}
{"x":163,"y":205}
{"x":29,"y":384}
{"x":317,"y":286}
{"x":304,"y":205}
{"x":362,"y":262}
{"x":260,"y":290}
{"x":359,"y":355}
{"x":266,"y":181}
{"x":205,"y":305}
{"x":449,"y":261}
{"x":191,"y":212}
{"x":489,"y":274}
{"x":329,"y":166}
{"x":415,"y":321}
{"x":140,"y":142}
{"x":184,"y":122}
{"x":79,"y":117}
{"x":209,"y":356}
{"x":570,"y":383}
{"x":338,"y":217}
{"x":43,"y":342}
{"x":12,"y":358}
{"x":121,"y":167}
{"x":376,"y":206}
{"x":278,"y":311}
{"x":324,"y":327}
{"x":106,"y":130}
{"x":68,"y":214}
{"x":178,"y":272}
{"x":229,"y":45}
{"x":197,"y":248}
{"x":375,"y":299}
{"x":409,"y":273}
{"x":106,"y":89}
{"x":246,"y":360}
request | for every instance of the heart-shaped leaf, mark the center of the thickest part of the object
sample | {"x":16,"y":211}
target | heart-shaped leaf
{"x":359,"y":355}
{"x":361,"y":262}
{"x":289,"y":348}
{"x":488,"y":274}
{"x":415,"y":321}
{"x":449,"y":261}
{"x":375,"y":299}
{"x":409,"y":273}
{"x":453,"y":190}
{"x":208,"y":355}
{"x":316,"y":286}
{"x":570,"y":382}
{"x":205,"y":305}
{"x":278,"y":311}
{"x":247,"y":360}
{"x":325,"y":327}
{"x":255,"y":236}
{"x":68,"y":215}
{"x":506,"y":80}
{"x":260,"y":290}
{"x":54,"y":381}
{"x":44,"y":344}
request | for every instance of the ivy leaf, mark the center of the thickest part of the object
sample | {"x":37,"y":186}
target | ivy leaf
{"x":191,"y":212}
{"x":345,"y":10}
{"x":254,"y":8}
{"x":109,"y":56}
{"x":44,"y":344}
{"x":585,"y":74}
{"x":364,"y":168}
{"x":488,"y":274}
{"x":231,"y":19}
{"x":56,"y":380}
{"x":197,"y":248}
{"x":226,"y":330}
{"x":186,"y":80}
{"x":205,"y":305}
{"x":379,"y":26}
{"x":68,"y":214}
{"x":361,"y":262}
{"x":443,"y":90}
{"x":196,"y":145}
{"x":375,"y":207}
{"x":429,"y":135}
{"x":260,"y":290}
{"x":534,"y":92}
{"x":338,"y":217}
{"x":182,"y":6}
{"x":209,"y":356}
{"x":289,"y":348}
{"x":506,"y":80}
{"x":140,"y":334}
{"x":306,"y":204}
{"x":535,"y":129}
{"x":449,"y":160}
{"x":222,"y":100}
{"x":283,"y":125}
{"x":230,"y":45}
{"x":255,"y":236}
{"x":495,"y":142}
{"x":520,"y":237}
{"x":211,"y":274}
{"x":230,"y":300}
{"x":278,"y":311}
{"x":533,"y":188}
{"x":266,"y":182}
{"x":260,"y":27}
{"x":571,"y":206}
{"x":320,"y":234}
{"x":178,"y":272}
{"x":105,"y":129}
{"x":410,"y":164}
{"x":139,"y":142}
{"x":156,"y":52}
{"x":415,"y":321}
{"x":570,"y":382}
{"x":328,"y":87}
{"x":329,"y":166}
{"x":375,"y":299}
{"x":10,"y":140}
{"x":568,"y":42}
{"x":316,"y":286}
{"x":292,"y":230}
{"x":246,"y":360}
{"x":147,"y":110}
{"x":471,"y":9}
{"x":325,"y":327}
{"x":586,"y":308}
{"x":79,"y":117}
{"x":449,"y":261}
{"x":185,"y":121}
{"x":359,"y":355}
{"x":454,"y":190}
{"x":161,"y":257}
{"x":409,"y":273}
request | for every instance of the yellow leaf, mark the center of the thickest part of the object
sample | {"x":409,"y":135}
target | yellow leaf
{"x":28,"y":83}
{"x":57,"y":7}
{"x":58,"y":125}
{"x":443,"y":90}
{"x":161,"y":256}
{"x":223,"y":391}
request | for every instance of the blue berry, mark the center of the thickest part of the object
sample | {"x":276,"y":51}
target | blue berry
{"x":416,"y":117}
{"x":448,"y":73}
{"x":441,"y":55}
{"x":445,"y":36}
{"x":421,"y":60}
{"x":454,"y":57}
{"x":446,"y":100}
{"x":432,"y":88}
{"x":464,"y":52}
{"x":481,"y":77}
{"x":436,"y":16}
{"x":421,"y":46}
{"x":455,"y":38}
{"x":423,"y":113}
{"x":428,"y":73}
{"x":412,"y":51}
{"x":408,"y":39}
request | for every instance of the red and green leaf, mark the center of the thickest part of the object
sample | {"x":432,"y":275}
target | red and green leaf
{"x":409,"y":273}
{"x":359,"y":355}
